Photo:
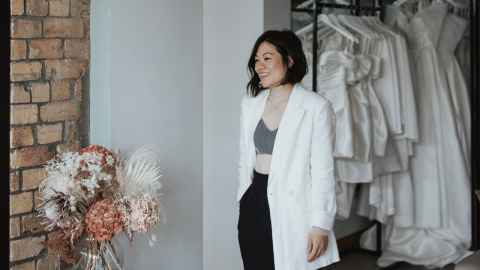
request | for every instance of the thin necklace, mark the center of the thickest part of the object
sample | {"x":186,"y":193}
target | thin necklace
{"x":277,"y":105}
{"x":270,"y":99}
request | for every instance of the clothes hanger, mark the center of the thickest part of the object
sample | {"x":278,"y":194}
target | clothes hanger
{"x":360,"y":29}
{"x":350,"y":22}
{"x":376,"y":33}
{"x":376,"y":22}
{"x":309,"y":2}
{"x":335,"y":20}
{"x":420,"y":3}
{"x":325,"y":33}
{"x":306,"y":30}
{"x":323,"y":40}
{"x":324,"y":20}
{"x":455,"y":3}
{"x":398,"y":3}
{"x":362,"y":22}
{"x":305,"y":4}
{"x":321,"y":33}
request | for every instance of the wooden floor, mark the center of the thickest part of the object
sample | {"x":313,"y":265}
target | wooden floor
{"x":360,"y":260}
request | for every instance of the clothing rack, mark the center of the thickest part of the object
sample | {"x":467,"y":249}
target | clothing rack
{"x":475,"y":101}
{"x":316,"y":7}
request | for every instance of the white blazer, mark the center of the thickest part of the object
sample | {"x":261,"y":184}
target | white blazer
{"x":301,"y":184}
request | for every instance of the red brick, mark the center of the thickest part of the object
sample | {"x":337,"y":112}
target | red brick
{"x":49,"y":133}
{"x":30,"y":156}
{"x":68,"y":147}
{"x":31,"y":178}
{"x":71,"y":131}
{"x":18,"y":93}
{"x":31,"y":224}
{"x":77,"y":48}
{"x":78,"y":89}
{"x":40,"y":92}
{"x":47,"y":262}
{"x":16,"y":7}
{"x":25,"y":71}
{"x":59,"y":8}
{"x":26,"y":28}
{"x":21,"y":136}
{"x":14,"y":227}
{"x":59,"y":111}
{"x":37,"y":7}
{"x":29,"y":265}
{"x":14,"y":182}
{"x":37,"y":200}
{"x":23,"y":114}
{"x":45,"y":49}
{"x":86,"y":23}
{"x":60,"y":90}
{"x":26,"y":248}
{"x":21,"y":203}
{"x":80,"y":8}
{"x":18,"y":49}
{"x":64,"y":69}
{"x":63,"y":27}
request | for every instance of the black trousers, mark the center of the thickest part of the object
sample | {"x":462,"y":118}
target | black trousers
{"x":254,"y":227}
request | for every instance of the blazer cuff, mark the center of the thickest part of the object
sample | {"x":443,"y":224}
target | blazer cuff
{"x":323,"y":220}
{"x":321,"y":230}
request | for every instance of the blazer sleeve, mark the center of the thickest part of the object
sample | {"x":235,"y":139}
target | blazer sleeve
{"x":323,"y":202}
{"x":242,"y":145}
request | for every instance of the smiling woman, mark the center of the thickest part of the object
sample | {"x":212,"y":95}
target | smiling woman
{"x":288,"y":206}
{"x":278,"y":58}
{"x":269,"y":65}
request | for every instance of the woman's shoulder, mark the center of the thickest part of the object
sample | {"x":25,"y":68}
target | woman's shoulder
{"x":248,"y":99}
{"x":313,"y":100}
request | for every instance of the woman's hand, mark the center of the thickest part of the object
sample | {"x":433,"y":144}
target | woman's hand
{"x":317,"y":243}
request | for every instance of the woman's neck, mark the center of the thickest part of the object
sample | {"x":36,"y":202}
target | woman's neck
{"x":280,"y":91}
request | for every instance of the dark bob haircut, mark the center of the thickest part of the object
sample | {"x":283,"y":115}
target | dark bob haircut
{"x":287,"y":44}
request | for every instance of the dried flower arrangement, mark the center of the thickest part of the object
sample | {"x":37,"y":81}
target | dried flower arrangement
{"x":91,"y":195}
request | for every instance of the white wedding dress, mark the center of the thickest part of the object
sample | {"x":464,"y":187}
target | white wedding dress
{"x":453,"y":30}
{"x":440,"y":173}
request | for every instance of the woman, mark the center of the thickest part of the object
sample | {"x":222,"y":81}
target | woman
{"x":286,"y":177}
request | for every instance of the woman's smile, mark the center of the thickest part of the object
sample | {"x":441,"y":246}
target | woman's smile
{"x":269,"y":65}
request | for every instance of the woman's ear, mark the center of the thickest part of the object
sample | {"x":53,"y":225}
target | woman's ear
{"x":290,"y":62}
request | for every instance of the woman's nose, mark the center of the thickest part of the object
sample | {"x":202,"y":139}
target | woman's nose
{"x":259,"y":66}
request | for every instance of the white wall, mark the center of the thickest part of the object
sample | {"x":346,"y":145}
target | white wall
{"x":100,"y":72}
{"x":146,"y":88}
{"x":171,"y":74}
{"x":230,"y":28}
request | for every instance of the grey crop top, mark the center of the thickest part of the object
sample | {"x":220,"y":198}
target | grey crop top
{"x":264,"y":138}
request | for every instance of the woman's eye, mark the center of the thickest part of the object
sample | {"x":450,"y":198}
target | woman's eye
{"x":267,"y":58}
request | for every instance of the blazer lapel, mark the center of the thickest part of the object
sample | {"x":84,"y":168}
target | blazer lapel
{"x":255,"y":111}
{"x":288,"y":126}
{"x":258,"y":106}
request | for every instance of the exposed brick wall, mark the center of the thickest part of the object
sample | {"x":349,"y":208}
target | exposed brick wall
{"x":49,"y":75}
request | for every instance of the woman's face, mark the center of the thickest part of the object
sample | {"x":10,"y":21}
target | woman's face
{"x":269,"y":65}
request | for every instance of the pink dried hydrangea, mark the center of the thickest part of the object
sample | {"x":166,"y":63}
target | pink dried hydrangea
{"x":96,"y":168}
{"x":143,"y":214}
{"x":103,"y":220}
